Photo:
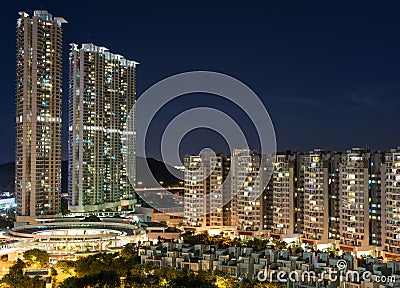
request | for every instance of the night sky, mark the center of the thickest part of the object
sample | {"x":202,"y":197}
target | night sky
{"x":328,"y":73}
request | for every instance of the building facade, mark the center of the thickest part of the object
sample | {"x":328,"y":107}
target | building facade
{"x":334,"y":196}
{"x":102,"y":91}
{"x":267,"y":208}
{"x":354,"y":200}
{"x":38,"y":115}
{"x":206,"y":190}
{"x":315,"y":167}
{"x":248,"y":187}
{"x":284,"y":195}
{"x":376,"y":164}
{"x":195,"y":191}
{"x":391,"y":202}
{"x":347,"y":200}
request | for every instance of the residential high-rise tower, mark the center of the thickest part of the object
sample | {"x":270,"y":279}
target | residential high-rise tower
{"x":355,"y":198}
{"x":102,"y":90}
{"x":38,"y":115}
{"x":391,"y":202}
{"x":206,"y":190}
{"x":248,"y":186}
{"x":315,"y":167}
{"x":284,"y":195}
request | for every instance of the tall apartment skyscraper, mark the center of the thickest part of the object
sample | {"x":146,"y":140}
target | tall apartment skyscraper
{"x":340,"y":198}
{"x":301,"y":184}
{"x":334,"y":196}
{"x":102,"y":91}
{"x":248,"y":185}
{"x":205,"y":190}
{"x":300,"y":194}
{"x":229,"y":209}
{"x":195,"y":191}
{"x":267,"y":207}
{"x":38,"y":115}
{"x":354,"y":199}
{"x":375,"y":198}
{"x":391,"y":203}
{"x":315,"y":167}
{"x":284,"y":195}
{"x":218,"y":214}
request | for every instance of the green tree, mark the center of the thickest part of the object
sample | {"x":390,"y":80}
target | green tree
{"x":36,"y":256}
{"x":129,"y":250}
{"x":191,"y":279}
{"x":53,"y":272}
{"x":6,"y":221}
{"x":279,"y":244}
{"x":17,"y":279}
{"x":66,"y":266}
{"x":103,"y":279}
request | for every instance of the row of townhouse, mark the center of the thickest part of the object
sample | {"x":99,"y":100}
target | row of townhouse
{"x":305,"y":269}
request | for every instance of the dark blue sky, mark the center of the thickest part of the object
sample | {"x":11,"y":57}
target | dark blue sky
{"x":328,"y":72}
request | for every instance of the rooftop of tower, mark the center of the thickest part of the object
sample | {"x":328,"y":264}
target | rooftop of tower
{"x":44,"y":15}
{"x":90,"y":47}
